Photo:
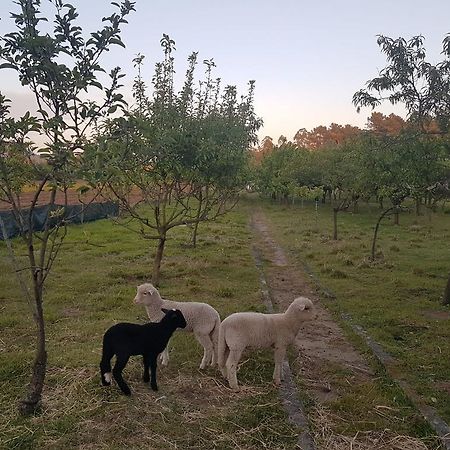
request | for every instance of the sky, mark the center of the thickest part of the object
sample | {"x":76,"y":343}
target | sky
{"x":308,"y":57}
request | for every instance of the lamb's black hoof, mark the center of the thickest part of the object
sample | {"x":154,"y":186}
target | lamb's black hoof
{"x":126,"y":392}
{"x":154,"y":388}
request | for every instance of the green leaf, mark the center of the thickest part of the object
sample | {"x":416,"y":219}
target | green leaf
{"x":96,"y":84}
{"x":117,"y":41}
{"x":7,"y":66}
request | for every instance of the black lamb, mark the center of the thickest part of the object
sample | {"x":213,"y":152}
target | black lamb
{"x":148,"y":340}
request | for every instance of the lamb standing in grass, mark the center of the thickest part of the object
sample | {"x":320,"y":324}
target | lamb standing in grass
{"x":202,"y":320}
{"x":126,"y":339}
{"x":257,"y":330}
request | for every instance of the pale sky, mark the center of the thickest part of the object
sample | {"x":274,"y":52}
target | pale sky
{"x":307,"y":57}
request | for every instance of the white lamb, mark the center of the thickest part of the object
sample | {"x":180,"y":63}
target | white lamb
{"x":257,"y":330}
{"x":202,"y":320}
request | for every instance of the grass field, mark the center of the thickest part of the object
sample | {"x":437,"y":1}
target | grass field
{"x":91,"y":289}
{"x":94,"y":283}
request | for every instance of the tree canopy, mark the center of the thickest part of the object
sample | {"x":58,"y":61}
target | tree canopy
{"x":184,"y":154}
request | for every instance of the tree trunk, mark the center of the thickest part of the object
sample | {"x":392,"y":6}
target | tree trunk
{"x":396,"y":219}
{"x":197,"y":216}
{"x":158,"y":259}
{"x":418,"y":203}
{"x":380,"y":202}
{"x":375,"y":234}
{"x":33,"y":399}
{"x":446,"y":299}
{"x":194,"y":235}
{"x":429,"y":210}
{"x":31,"y":403}
{"x":335,"y":230}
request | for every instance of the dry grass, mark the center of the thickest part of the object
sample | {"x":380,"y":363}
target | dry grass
{"x":325,"y":423}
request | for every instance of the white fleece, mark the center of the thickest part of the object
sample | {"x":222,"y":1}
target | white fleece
{"x":201,"y":319}
{"x":257,"y":330}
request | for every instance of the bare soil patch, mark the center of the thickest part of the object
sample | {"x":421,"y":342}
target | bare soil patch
{"x":73,"y":198}
{"x":438,"y":315}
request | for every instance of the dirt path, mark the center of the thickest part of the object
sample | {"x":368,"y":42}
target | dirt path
{"x":322,"y":342}
{"x":326,"y":359}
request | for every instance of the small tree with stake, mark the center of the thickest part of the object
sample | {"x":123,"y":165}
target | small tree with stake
{"x":60,"y":70}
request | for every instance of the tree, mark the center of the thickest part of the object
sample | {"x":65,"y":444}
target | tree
{"x":258,"y":153}
{"x":323,"y":136}
{"x":382,"y":124}
{"x":408,"y":78}
{"x":183,"y":154}
{"x":281,"y":171}
{"x":399,"y":167}
{"x":446,"y":298}
{"x":266,"y":145}
{"x":282,"y":140}
{"x":338,"y":170}
{"x":424,"y":89}
{"x":60,"y":69}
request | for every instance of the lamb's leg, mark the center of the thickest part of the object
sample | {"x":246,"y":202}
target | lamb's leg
{"x":164,"y":357}
{"x":208,"y":349}
{"x":225,"y":358}
{"x":152,"y":360}
{"x":232,"y":363}
{"x":279,"y":354}
{"x":146,"y":376}
{"x":117,"y":373}
{"x":105,"y":370}
{"x":214,"y":357}
{"x":214,"y":335}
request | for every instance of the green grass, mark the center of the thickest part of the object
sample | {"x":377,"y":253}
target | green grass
{"x":397,"y":297}
{"x":93,"y":285}
{"x":91,"y":288}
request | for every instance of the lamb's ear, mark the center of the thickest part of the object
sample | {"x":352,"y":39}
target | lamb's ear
{"x":164,"y":310}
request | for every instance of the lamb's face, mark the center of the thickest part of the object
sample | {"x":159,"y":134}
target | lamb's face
{"x":304,"y":308}
{"x":176,"y":316}
{"x":144,"y":294}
